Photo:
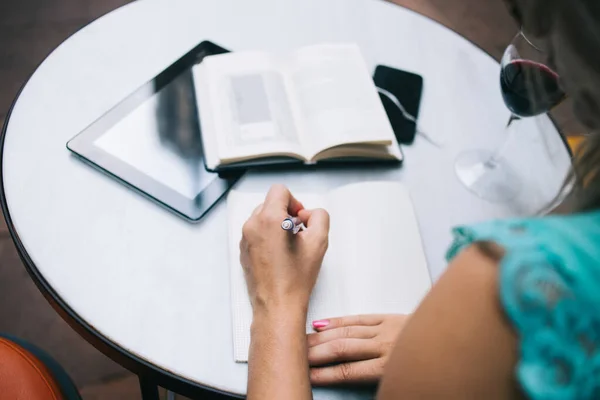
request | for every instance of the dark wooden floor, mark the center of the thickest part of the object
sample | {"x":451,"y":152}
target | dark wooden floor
{"x":30,"y":30}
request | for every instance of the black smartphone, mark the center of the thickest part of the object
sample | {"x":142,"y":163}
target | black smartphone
{"x":406,"y":88}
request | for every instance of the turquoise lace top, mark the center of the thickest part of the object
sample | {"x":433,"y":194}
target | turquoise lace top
{"x":549,"y":285}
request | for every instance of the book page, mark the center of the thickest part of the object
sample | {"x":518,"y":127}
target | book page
{"x":337,"y":99}
{"x":376,"y":250}
{"x":375,"y":261}
{"x":248,"y":102}
{"x":391,"y":152}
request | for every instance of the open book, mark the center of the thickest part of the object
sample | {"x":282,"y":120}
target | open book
{"x":317,"y":103}
{"x":375,"y":262}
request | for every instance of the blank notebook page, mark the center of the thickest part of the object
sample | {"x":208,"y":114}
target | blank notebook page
{"x":375,"y":262}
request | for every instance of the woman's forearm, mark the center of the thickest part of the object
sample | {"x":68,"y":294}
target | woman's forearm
{"x":278,"y":360}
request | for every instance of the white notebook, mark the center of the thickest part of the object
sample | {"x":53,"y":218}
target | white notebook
{"x":375,"y":262}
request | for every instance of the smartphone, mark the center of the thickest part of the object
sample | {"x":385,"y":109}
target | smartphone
{"x":407,"y":88}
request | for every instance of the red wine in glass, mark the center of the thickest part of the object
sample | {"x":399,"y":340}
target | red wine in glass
{"x":529,"y":88}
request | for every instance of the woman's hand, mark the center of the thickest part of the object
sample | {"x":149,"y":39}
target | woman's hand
{"x":281,"y":268}
{"x":357,"y":346}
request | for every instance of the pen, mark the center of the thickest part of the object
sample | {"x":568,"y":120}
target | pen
{"x":292,"y":224}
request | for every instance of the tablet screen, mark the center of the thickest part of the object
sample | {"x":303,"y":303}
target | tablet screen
{"x":161,"y":139}
{"x":152,"y":141}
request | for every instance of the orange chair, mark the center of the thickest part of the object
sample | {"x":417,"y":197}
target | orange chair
{"x":28,"y":373}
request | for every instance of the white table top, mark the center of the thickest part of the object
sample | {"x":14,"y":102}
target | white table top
{"x":157,"y":285}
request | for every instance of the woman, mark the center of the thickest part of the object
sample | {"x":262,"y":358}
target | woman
{"x":516,"y":314}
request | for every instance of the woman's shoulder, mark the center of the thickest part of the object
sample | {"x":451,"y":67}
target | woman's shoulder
{"x":549,"y":286}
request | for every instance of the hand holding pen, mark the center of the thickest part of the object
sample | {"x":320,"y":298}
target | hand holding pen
{"x":292,"y":224}
{"x":281,"y":268}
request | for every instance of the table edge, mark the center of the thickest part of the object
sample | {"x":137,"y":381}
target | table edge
{"x":114,"y":351}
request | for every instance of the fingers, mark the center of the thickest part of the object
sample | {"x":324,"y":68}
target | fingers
{"x":316,"y":220}
{"x":304,"y":215}
{"x":280,"y":198}
{"x":258,"y":209}
{"x":350,"y":343}
{"x":342,"y":350}
{"x":359,"y":372}
{"x":333,"y":323}
{"x":346,"y":332}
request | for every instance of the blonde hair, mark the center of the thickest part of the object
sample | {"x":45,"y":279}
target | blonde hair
{"x":583,"y":181}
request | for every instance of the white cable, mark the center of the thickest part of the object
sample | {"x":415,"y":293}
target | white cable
{"x":407,"y":115}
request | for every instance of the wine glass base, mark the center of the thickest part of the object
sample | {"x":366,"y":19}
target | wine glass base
{"x":493,"y":181}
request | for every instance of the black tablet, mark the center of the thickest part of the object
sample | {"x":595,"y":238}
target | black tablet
{"x":151,"y":141}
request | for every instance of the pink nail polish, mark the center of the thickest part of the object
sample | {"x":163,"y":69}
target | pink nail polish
{"x":320,"y":324}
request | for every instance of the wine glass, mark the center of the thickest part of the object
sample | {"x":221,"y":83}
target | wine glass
{"x":529,"y":88}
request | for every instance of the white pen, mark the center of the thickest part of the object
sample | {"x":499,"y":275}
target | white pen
{"x":292,"y":224}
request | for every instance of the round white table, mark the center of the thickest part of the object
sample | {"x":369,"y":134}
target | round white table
{"x":151,"y":290}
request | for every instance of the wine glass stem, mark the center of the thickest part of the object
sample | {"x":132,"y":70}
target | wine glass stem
{"x":492,"y":162}
{"x":512,"y":119}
